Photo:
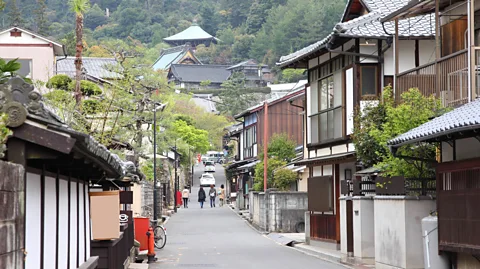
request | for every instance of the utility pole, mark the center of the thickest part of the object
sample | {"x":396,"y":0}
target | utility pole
{"x":155,"y":199}
{"x":265,"y":147}
{"x":176,"y":180}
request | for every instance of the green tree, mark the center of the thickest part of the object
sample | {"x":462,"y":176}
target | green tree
{"x":196,"y":138}
{"x":293,"y":75}
{"x":15,"y":14}
{"x":284,"y":178}
{"x":281,"y":147}
{"x":2,"y":5}
{"x":233,"y":99}
{"x":241,"y":47}
{"x":95,"y":17}
{"x":414,"y":110}
{"x":273,"y":164}
{"x":41,"y":20}
{"x":288,"y":27}
{"x":79,"y":7}
{"x":209,"y":19}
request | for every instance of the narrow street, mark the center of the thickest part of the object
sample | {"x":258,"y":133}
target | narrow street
{"x":218,"y":238}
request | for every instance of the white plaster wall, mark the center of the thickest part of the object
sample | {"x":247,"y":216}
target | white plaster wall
{"x":339,"y":149}
{"x":50,"y":229}
{"x":42,"y":59}
{"x":73,"y":225}
{"x":398,"y":239}
{"x":447,"y":152}
{"x":323,"y":152}
{"x":88,"y":230}
{"x":349,"y":100}
{"x":406,"y":55}
{"x":303,"y":182}
{"x":317,"y":171}
{"x":137,"y":199}
{"x":370,"y":49}
{"x":363,"y":228}
{"x":416,"y":211}
{"x":32,"y":221}
{"x":63,"y":224}
{"x":241,"y":146}
{"x":313,"y":62}
{"x":81,"y":226}
{"x":467,"y":148}
{"x":343,"y":226}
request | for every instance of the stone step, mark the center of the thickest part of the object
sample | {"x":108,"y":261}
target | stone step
{"x":138,"y":266}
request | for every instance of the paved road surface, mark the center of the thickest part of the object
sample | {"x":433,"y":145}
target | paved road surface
{"x":218,"y":238}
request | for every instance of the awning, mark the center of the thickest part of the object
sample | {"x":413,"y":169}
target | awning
{"x":248,"y":165}
{"x":299,"y":169}
{"x":329,"y":159}
{"x":238,"y":163}
{"x":368,"y":171}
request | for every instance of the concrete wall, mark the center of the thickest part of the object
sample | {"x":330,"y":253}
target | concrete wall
{"x":363,"y":227}
{"x":398,"y":237}
{"x":276,"y":211}
{"x":303,"y":182}
{"x":12,"y":193}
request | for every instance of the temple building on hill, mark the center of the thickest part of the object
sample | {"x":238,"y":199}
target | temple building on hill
{"x":183,"y":54}
{"x":194,"y":35}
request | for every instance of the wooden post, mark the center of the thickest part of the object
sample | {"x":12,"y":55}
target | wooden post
{"x":438,"y":47}
{"x":395,"y":47}
{"x":471,"y":50}
{"x":265,"y":146}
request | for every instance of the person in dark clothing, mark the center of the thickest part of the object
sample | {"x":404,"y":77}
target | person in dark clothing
{"x":201,"y":196}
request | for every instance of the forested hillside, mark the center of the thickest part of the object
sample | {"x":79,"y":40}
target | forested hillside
{"x":260,"y":29}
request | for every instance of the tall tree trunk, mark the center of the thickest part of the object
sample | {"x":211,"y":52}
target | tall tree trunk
{"x":78,"y":57}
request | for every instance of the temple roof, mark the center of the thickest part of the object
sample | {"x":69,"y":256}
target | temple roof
{"x":194,"y":32}
{"x":196,"y":73}
{"x":173,"y":56}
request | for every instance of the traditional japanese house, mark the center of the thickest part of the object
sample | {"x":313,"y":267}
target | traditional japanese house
{"x":458,"y":180}
{"x":348,"y":69}
{"x":191,"y":76}
{"x":48,"y":224}
{"x":256,"y":75}
{"x":453,"y":78}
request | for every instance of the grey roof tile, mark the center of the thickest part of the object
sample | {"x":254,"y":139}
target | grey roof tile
{"x":464,"y":117}
{"x":199,"y":73}
{"x":369,"y":25}
{"x":96,"y":67}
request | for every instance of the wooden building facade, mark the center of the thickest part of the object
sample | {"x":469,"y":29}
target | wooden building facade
{"x":54,"y":227}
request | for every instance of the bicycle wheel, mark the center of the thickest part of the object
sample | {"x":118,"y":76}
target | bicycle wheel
{"x":160,"y":237}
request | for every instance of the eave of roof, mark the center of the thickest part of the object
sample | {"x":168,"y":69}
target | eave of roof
{"x":326,"y":159}
{"x":462,"y":119}
{"x":61,"y":49}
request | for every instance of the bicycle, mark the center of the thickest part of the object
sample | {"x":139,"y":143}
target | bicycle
{"x":159,"y":232}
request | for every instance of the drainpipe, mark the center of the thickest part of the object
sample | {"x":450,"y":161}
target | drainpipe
{"x":56,"y":62}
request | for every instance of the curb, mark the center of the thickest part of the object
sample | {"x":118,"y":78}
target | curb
{"x":248,"y":223}
{"x":309,"y":253}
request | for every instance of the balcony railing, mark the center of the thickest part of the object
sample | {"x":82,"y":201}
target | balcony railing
{"x":390,"y":186}
{"x":447,"y":81}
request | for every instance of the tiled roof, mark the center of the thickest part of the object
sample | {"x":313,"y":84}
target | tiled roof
{"x":198,"y":73}
{"x":194,"y":32}
{"x":250,"y":62}
{"x":466,"y":117}
{"x":369,"y":25}
{"x":96,"y":67}
{"x":170,"y":56}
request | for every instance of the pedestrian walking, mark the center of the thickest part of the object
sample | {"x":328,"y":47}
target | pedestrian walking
{"x":201,"y":196}
{"x":213,"y":194}
{"x":221,"y":195}
{"x":185,"y":196}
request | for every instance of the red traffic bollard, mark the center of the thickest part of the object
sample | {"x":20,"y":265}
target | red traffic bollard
{"x":151,"y":246}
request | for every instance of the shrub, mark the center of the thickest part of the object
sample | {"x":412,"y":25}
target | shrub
{"x":88,"y":88}
{"x":90,"y":106}
{"x":60,"y":82}
{"x":284,"y":178}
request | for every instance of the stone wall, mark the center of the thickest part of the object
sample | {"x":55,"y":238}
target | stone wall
{"x":276,"y":211}
{"x":12,"y":194}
